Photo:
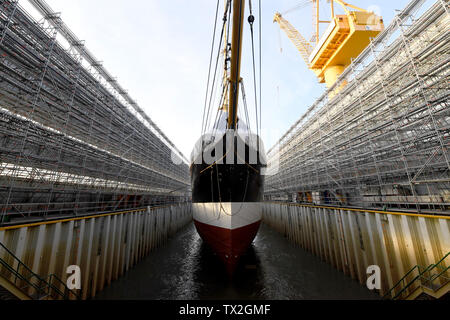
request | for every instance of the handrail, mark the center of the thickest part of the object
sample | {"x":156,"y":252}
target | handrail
{"x":90,"y":216}
{"x":42,"y":286}
{"x":412,"y":281}
{"x":67,"y":291}
{"x":421,"y":275}
{"x":401,"y":280}
{"x":435,"y":276}
{"x":354,"y":209}
{"x":20,"y":276}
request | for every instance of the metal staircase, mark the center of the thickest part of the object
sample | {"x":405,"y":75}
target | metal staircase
{"x":433,"y":281}
{"x":21,"y":282}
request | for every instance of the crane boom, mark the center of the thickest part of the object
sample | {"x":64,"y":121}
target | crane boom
{"x":297,"y":39}
{"x":315,"y":21}
{"x":344,"y":39}
{"x":345,"y":5}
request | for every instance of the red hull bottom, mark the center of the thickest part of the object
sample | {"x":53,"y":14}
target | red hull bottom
{"x":228,"y":244}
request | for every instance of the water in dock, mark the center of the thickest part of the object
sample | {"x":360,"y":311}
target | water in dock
{"x":273,"y":268}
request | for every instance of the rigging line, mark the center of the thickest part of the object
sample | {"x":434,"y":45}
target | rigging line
{"x":260,"y":71}
{"x":239,"y":118}
{"x":248,"y":164}
{"x":247,"y":118}
{"x":215,"y":124}
{"x":204,"y":127}
{"x":218,"y":55}
{"x":215,"y":163}
{"x":244,"y":100}
{"x":238,"y":64}
{"x":212,"y":186}
{"x":242,"y":202}
{"x":226,"y":84}
{"x":251,"y":20}
{"x":220,"y":197}
{"x":302,"y":4}
{"x":213,"y":99}
{"x":210,"y":63}
{"x":222,"y":100}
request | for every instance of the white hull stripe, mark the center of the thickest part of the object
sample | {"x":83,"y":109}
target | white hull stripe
{"x":228,"y":215}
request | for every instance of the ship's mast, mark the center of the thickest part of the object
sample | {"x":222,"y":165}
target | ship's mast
{"x":236,"y":53}
{"x":226,"y":73}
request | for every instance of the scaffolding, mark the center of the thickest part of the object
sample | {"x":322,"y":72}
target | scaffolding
{"x":72,"y":140}
{"x":383,"y":141}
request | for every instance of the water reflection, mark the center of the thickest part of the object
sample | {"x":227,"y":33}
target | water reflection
{"x":214,"y":282}
{"x":272,"y":268}
{"x":203,"y":275}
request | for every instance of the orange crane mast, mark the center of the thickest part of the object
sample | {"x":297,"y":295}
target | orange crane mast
{"x":346,"y":36}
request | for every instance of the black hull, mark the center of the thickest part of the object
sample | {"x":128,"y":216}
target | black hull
{"x":228,"y":182}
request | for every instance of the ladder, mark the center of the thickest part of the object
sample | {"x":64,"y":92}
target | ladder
{"x":433,"y":281}
{"x":24,"y":284}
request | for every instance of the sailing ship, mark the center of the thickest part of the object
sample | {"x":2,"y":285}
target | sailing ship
{"x":227,"y":164}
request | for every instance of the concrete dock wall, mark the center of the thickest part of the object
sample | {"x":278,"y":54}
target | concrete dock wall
{"x":352,"y":239}
{"x":103,"y":246}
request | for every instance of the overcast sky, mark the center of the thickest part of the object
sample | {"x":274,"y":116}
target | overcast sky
{"x":159,"y":51}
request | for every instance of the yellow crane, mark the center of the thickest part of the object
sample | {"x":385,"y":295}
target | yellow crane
{"x":297,"y":39}
{"x":345,"y":38}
